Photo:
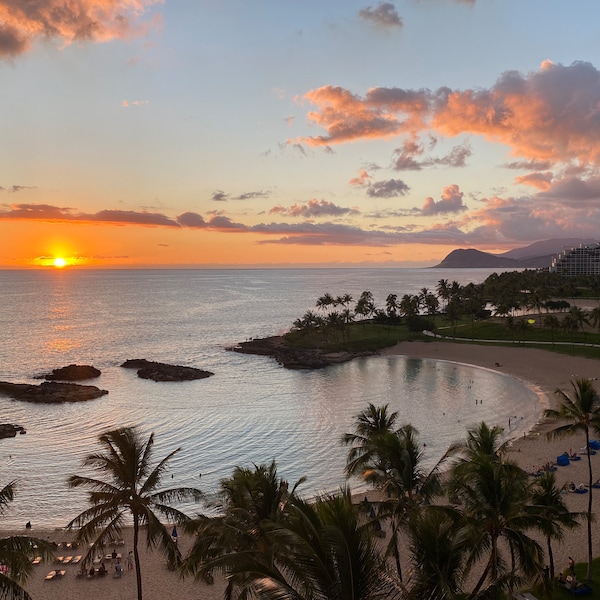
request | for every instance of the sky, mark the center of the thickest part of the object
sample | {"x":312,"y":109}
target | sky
{"x":288,"y":133}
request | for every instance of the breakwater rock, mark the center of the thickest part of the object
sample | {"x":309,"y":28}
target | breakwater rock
{"x":8,"y":430}
{"x":51,"y":392}
{"x":295,"y":358}
{"x":73,"y":373}
{"x":157,"y":371}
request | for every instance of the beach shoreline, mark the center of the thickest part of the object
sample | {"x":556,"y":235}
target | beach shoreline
{"x":541,"y":370}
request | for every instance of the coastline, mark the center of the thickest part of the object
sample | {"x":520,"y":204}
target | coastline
{"x":543,"y":370}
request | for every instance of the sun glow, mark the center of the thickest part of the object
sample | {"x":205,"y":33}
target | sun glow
{"x":59,"y":262}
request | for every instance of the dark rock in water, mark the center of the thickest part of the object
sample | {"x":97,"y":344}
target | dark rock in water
{"x":73,"y":373}
{"x":8,"y":430}
{"x":51,"y":392}
{"x":295,"y":358}
{"x":158,"y":371}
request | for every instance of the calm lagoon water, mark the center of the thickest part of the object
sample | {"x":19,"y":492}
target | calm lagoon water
{"x":250,"y":411}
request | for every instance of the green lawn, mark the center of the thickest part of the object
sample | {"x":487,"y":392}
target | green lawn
{"x":370,"y":337}
{"x":558,"y":592}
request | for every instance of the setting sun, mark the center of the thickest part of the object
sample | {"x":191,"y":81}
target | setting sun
{"x":59,"y":262}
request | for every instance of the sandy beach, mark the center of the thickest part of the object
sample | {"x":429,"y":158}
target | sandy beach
{"x":543,"y":370}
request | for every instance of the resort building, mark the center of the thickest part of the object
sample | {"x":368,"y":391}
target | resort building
{"x":583,"y":260}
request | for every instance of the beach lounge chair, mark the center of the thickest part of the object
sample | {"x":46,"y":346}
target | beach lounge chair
{"x":37,"y":560}
{"x":76,"y":559}
{"x":580,"y":589}
{"x":525,"y":596}
{"x":66,"y":560}
{"x":54,"y":575}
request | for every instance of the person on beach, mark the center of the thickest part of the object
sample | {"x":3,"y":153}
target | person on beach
{"x":130,"y":561}
{"x":572,"y":566}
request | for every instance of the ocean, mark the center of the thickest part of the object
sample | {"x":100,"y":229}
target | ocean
{"x":250,"y":412}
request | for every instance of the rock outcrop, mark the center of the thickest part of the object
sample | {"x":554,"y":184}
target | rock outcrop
{"x":8,"y":430}
{"x":73,"y":373}
{"x":295,"y":358}
{"x":157,"y":371}
{"x":51,"y":392}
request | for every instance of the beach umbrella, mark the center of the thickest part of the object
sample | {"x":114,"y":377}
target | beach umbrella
{"x":174,"y":533}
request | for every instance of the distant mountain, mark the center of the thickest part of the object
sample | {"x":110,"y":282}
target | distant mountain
{"x":535,"y":256}
{"x":545,"y":247}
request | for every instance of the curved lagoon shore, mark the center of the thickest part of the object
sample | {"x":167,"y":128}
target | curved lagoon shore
{"x":545,"y":371}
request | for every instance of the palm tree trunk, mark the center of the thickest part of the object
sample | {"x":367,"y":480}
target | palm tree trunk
{"x":481,"y":579}
{"x":550,"y":558}
{"x":589,"y":510}
{"x":397,"y":551}
{"x":136,"y":556}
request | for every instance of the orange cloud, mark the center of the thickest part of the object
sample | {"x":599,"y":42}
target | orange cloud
{"x":451,"y":202}
{"x":362,"y":179}
{"x":541,"y":181}
{"x":22,"y":21}
{"x":546,"y":115}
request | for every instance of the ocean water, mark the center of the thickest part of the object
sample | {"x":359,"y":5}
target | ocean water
{"x":251,"y":411}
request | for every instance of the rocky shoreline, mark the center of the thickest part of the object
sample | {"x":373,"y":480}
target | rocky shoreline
{"x":295,"y":358}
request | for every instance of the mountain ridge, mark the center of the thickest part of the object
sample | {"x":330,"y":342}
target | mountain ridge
{"x":535,"y":256}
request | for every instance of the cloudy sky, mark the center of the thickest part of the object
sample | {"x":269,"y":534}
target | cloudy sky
{"x":281,"y":132}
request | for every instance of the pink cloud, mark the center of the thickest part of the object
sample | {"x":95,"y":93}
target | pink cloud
{"x":451,"y":202}
{"x":362,"y":179}
{"x":547,"y":115}
{"x":541,"y":181}
{"x":313,"y":208}
{"x":24,"y":21}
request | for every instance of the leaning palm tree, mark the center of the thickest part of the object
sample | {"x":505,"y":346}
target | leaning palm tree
{"x":580,"y":414}
{"x":129,"y":487}
{"x":17,"y":553}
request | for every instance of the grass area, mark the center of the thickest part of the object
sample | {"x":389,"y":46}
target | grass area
{"x":357,"y":337}
{"x":558,"y":592}
{"x":532,"y":336}
{"x":369,"y":337}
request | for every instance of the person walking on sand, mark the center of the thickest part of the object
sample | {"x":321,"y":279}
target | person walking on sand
{"x":130,"y":561}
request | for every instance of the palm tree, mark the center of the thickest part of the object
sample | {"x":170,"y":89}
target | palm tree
{"x":254,"y":501}
{"x":129,"y":486}
{"x":494,"y":494}
{"x":369,"y":423}
{"x":547,"y":501}
{"x":552,"y":323}
{"x":439,"y":551}
{"x":390,"y":460}
{"x":443,"y":290}
{"x":580,"y":413}
{"x":269,"y":543}
{"x":16,"y":553}
{"x":329,"y":554}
